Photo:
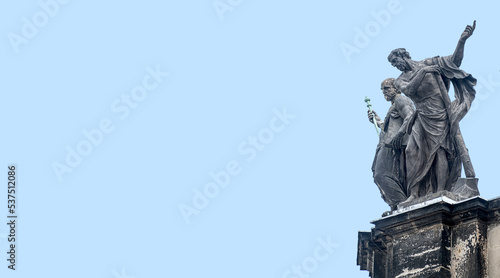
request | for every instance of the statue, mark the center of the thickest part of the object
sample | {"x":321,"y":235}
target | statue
{"x":421,"y":151}
{"x":389,"y":162}
{"x":435,"y":149}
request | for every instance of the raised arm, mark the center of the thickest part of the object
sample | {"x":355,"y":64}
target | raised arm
{"x":458,"y":55}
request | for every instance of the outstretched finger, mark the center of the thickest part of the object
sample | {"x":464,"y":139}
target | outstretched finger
{"x":473,"y":26}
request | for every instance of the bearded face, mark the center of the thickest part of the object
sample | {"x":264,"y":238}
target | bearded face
{"x":399,"y":63}
{"x":389,"y":92}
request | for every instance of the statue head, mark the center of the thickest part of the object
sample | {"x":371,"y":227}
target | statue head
{"x":399,"y":58}
{"x":389,"y":89}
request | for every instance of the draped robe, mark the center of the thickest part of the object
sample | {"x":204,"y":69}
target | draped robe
{"x":435,"y":123}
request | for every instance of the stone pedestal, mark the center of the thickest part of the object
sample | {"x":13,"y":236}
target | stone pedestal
{"x":438,"y":238}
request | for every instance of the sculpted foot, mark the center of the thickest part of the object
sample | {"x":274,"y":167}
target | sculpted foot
{"x":411,"y":198}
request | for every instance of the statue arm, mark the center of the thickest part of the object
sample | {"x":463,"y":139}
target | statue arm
{"x":380,"y":123}
{"x":408,"y":88}
{"x":406,"y":110}
{"x":374,"y":116}
{"x":458,"y":55}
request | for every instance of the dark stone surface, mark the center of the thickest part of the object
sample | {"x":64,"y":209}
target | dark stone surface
{"x":436,"y":150}
{"x":440,"y":239}
{"x":464,"y":188}
{"x":469,"y":255}
{"x":428,"y":247}
{"x":388,"y":165}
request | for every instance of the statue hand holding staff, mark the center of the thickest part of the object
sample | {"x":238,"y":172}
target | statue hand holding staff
{"x":373,"y":115}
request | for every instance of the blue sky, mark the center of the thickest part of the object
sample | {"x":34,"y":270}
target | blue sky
{"x":213,"y":138}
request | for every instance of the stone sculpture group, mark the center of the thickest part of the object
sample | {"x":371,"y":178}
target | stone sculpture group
{"x":421,"y":150}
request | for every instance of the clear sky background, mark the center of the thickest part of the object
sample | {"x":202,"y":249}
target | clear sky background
{"x":277,"y":71}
